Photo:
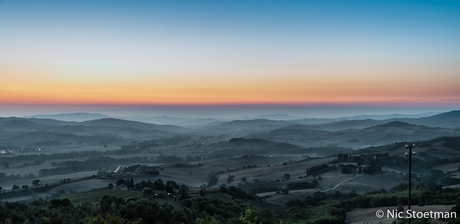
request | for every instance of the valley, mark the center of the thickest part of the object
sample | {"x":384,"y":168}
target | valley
{"x":277,"y":161}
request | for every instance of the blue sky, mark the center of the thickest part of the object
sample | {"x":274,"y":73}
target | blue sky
{"x":230,"y":52}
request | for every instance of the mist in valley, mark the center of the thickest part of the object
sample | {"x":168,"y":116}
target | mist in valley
{"x":276,"y":160}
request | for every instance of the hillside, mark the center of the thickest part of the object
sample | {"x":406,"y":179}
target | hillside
{"x":317,"y":136}
{"x":112,"y":122}
{"x":395,"y":131}
{"x":37,"y":132}
{"x":240,"y":146}
{"x":447,"y":120}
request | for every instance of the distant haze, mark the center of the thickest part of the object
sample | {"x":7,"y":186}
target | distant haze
{"x":217,"y":111}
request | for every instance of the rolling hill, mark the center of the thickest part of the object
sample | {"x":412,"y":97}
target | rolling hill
{"x":39,"y":132}
{"x":316,"y":136}
{"x":113,"y":122}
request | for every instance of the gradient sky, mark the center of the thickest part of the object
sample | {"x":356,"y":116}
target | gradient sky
{"x":86,"y":55}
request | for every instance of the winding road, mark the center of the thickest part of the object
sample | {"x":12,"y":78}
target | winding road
{"x":342,"y":183}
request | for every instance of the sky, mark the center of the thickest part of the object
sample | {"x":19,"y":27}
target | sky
{"x":196,"y":58}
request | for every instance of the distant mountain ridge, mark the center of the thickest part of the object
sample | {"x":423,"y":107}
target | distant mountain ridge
{"x":305,"y":132}
{"x":40,"y":132}
{"x":114,"y":122}
{"x":371,"y":132}
{"x":167,"y":120}
{"x":449,"y":119}
{"x":281,"y":117}
{"x":77,"y":117}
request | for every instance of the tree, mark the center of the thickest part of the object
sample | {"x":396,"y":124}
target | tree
{"x":129,"y":183}
{"x":120,"y":182}
{"x":6,"y":165}
{"x":110,"y":186}
{"x":183,"y":192}
{"x":206,"y":220}
{"x":160,"y":184}
{"x":230,"y":178}
{"x":287,"y":176}
{"x":15,"y":187}
{"x":243,"y":179}
{"x":109,"y":218}
{"x":148,"y":192}
{"x":36,"y":182}
{"x":344,"y":170}
{"x":212,"y":179}
{"x":25,"y":186}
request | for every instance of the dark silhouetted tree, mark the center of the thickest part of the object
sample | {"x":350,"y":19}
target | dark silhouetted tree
{"x":212,"y":179}
{"x":36,"y":182}
{"x":230,"y":178}
{"x":120,"y":182}
{"x":287,"y":176}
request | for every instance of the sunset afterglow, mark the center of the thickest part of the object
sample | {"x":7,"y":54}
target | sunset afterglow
{"x":367,"y":53}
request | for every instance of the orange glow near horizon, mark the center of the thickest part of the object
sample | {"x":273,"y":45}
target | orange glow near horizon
{"x":243,"y":53}
{"x":250,"y":90}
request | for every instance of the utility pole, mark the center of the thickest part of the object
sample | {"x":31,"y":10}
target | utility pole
{"x":410,"y":153}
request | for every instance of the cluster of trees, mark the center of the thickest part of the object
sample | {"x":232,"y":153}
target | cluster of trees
{"x":4,"y":177}
{"x":170,"y":186}
{"x":286,"y":176}
{"x":249,"y":166}
{"x":374,"y":162}
{"x":237,"y":192}
{"x":33,"y":158}
{"x":113,"y":209}
{"x":421,"y":195}
{"x":264,"y":189}
{"x":176,"y":159}
{"x":152,"y":172}
{"x":434,"y":178}
{"x":302,"y":185}
{"x":132,"y":168}
{"x":316,"y":209}
{"x":230,"y":178}
{"x":315,"y":170}
{"x":452,"y":142}
{"x":349,"y":168}
{"x":35,"y":183}
{"x":26,"y":164}
{"x":343,"y":157}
